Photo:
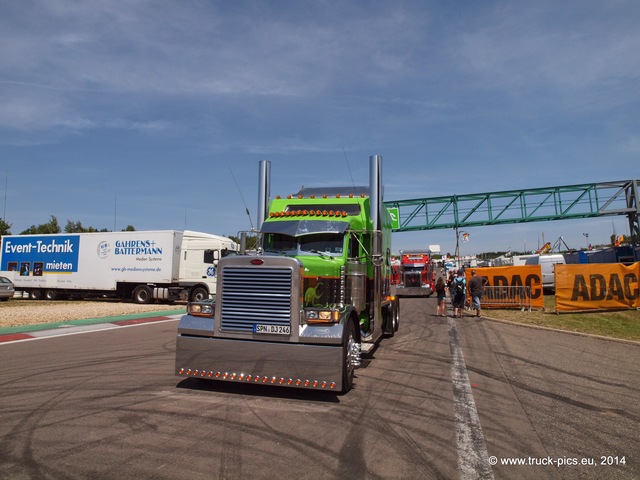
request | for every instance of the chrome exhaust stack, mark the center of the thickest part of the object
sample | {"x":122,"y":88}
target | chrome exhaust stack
{"x":264,"y":186}
{"x":375,"y":200}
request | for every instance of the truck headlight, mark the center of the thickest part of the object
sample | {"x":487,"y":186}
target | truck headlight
{"x":322,"y":316}
{"x":201,"y":309}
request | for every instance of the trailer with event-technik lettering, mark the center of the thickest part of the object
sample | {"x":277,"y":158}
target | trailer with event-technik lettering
{"x":141,"y":266}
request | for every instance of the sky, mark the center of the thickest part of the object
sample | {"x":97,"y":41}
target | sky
{"x":156,"y":114}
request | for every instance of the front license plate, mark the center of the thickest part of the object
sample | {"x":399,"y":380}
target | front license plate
{"x":272,"y":329}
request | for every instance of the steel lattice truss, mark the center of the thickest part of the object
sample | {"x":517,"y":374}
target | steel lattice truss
{"x":517,"y":206}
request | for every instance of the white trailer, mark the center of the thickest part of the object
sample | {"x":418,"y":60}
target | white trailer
{"x":141,"y":266}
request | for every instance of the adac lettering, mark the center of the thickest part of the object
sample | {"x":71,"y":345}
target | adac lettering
{"x":532,"y":280}
{"x":598,"y":287}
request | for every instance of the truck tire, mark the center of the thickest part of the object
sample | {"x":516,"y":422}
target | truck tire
{"x":387,"y":320}
{"x":396,"y":314}
{"x":142,"y":294}
{"x":199,"y":294}
{"x":50,"y":294}
{"x":348,"y":366}
{"x":35,"y":294}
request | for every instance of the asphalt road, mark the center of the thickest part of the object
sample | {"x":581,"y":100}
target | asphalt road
{"x":441,"y":399}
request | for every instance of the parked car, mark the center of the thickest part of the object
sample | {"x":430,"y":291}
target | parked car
{"x":6,"y":289}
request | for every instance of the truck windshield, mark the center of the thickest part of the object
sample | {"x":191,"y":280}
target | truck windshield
{"x":322,"y":243}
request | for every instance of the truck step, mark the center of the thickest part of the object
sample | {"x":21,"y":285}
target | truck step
{"x":367,"y":347}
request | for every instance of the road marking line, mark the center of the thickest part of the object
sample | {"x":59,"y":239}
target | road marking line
{"x":78,"y":330}
{"x":473,"y":458}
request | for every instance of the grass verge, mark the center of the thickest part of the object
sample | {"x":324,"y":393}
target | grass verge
{"x":622,"y":324}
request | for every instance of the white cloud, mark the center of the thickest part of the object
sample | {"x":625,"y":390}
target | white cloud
{"x":568,"y":47}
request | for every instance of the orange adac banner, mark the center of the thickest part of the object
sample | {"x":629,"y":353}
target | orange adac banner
{"x":597,"y":286}
{"x":520,"y":276}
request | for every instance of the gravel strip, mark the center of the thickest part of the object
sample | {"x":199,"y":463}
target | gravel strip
{"x":17,"y":312}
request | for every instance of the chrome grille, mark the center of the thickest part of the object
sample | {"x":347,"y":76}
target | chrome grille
{"x":253,"y":296}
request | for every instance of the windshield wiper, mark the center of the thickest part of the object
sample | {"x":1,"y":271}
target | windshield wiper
{"x":321,"y":254}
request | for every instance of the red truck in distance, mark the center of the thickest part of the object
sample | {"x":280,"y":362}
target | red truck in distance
{"x":416,"y":274}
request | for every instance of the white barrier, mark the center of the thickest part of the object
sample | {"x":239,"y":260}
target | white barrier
{"x":507,"y":297}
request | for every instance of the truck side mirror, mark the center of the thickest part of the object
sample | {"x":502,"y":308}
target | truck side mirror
{"x":211,"y":256}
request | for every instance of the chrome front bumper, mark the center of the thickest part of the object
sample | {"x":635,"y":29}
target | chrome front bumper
{"x":259,"y":362}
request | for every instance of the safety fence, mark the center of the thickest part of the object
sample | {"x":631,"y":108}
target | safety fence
{"x":507,"y":297}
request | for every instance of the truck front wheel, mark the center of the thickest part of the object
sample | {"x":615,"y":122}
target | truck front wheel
{"x":388,"y":318}
{"x":199,"y":294}
{"x":142,"y":294}
{"x":348,"y":362}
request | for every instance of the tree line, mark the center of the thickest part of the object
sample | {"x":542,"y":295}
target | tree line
{"x":53,"y":226}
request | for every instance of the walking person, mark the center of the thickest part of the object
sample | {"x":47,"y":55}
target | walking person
{"x":441,"y":293}
{"x":476,"y":288}
{"x":459,"y":294}
{"x":450,"y":286}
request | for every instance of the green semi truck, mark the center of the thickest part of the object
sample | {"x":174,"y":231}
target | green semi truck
{"x":301,"y":311}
